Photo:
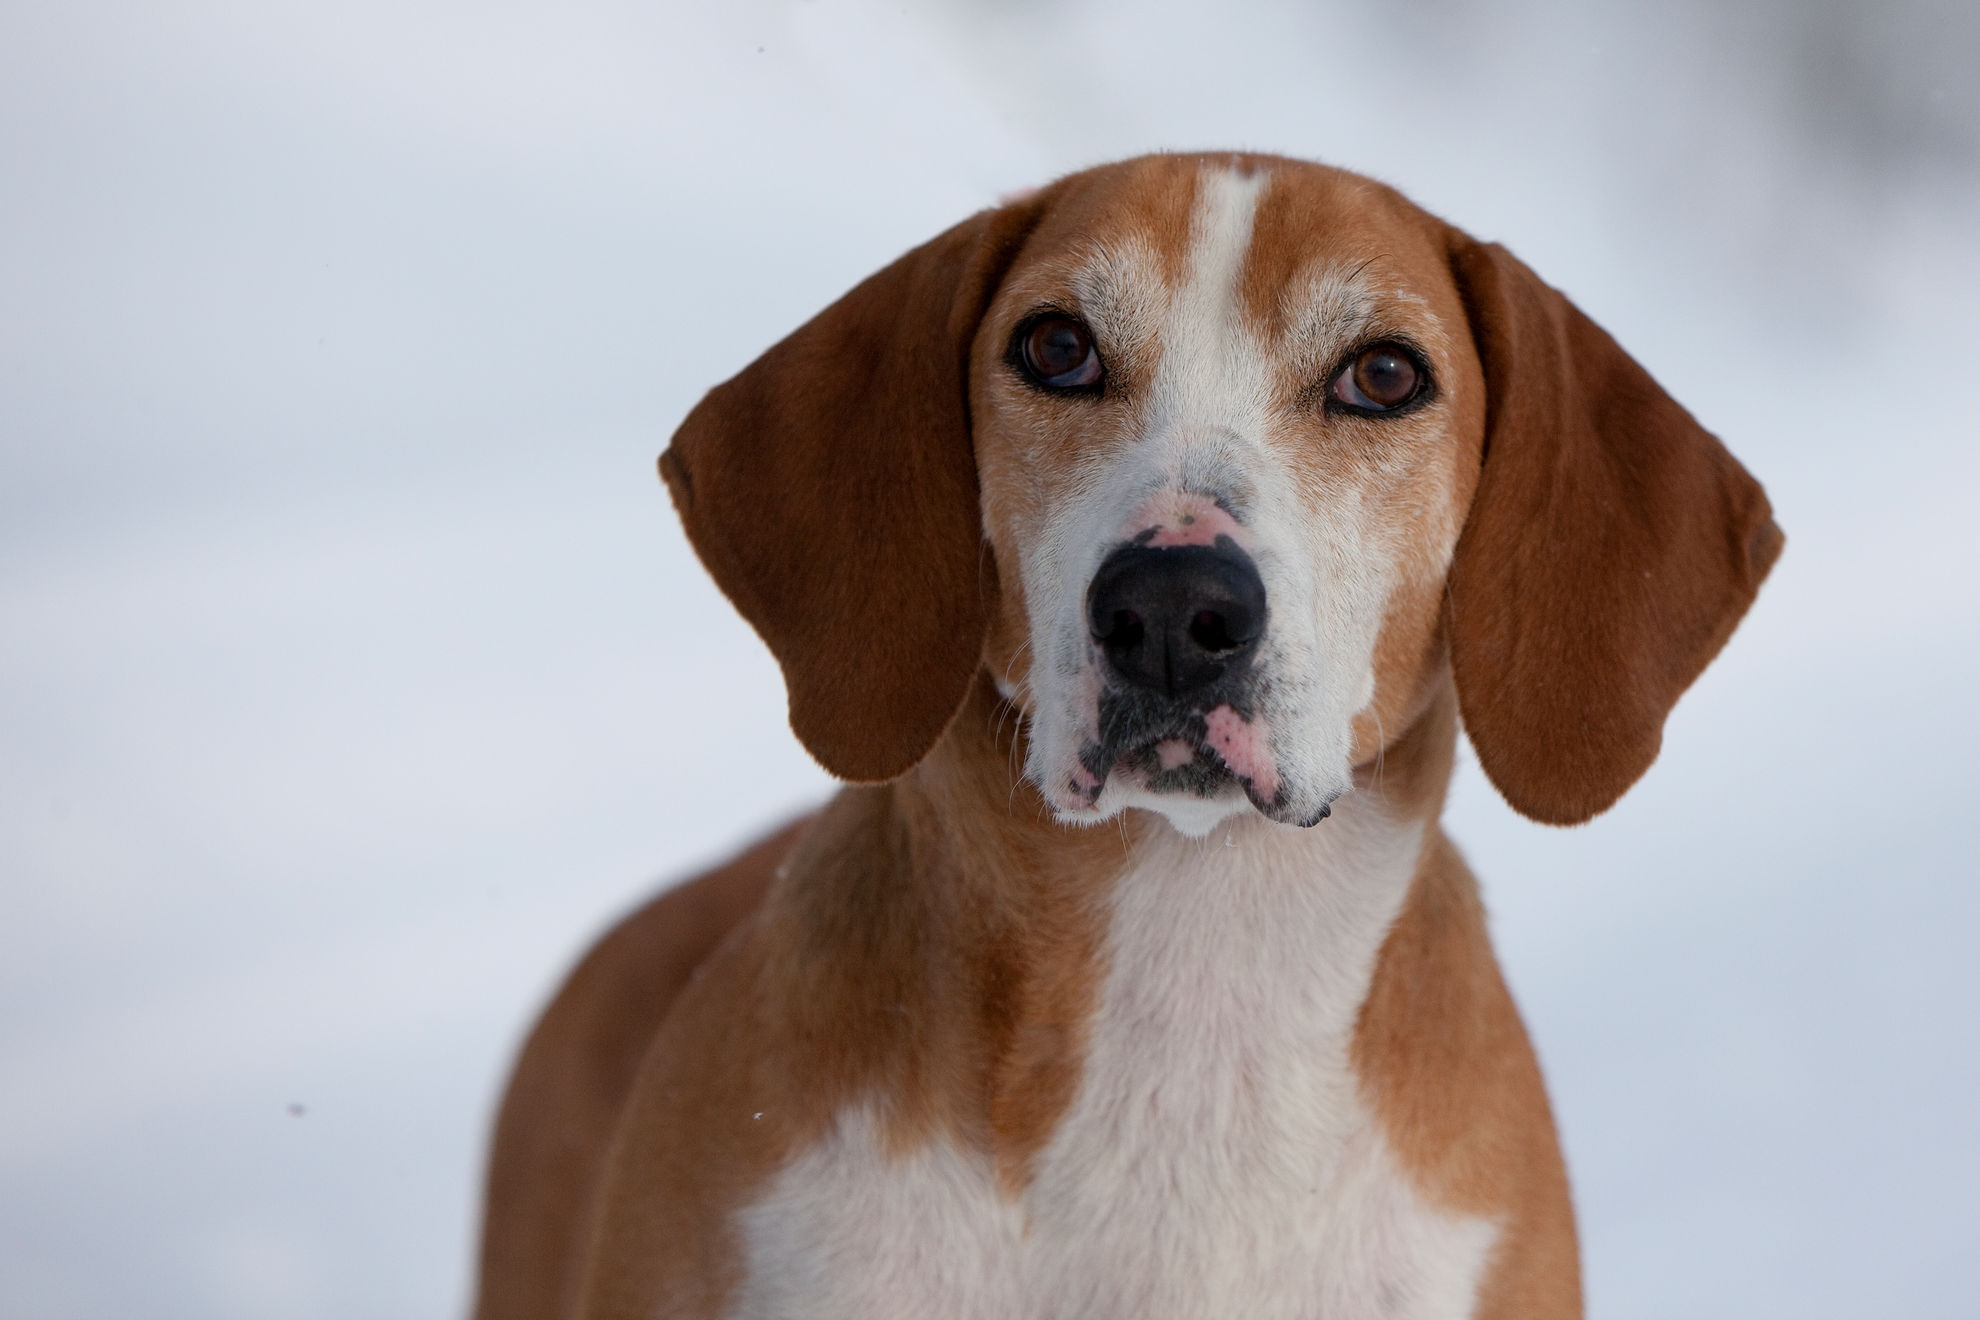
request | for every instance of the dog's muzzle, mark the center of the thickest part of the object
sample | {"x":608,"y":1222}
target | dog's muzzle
{"x":1175,"y":629}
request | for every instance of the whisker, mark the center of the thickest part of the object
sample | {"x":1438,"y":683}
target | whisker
{"x":1381,"y":744}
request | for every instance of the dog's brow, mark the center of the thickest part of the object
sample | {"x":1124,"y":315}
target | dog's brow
{"x":1325,"y":310}
{"x":1120,"y":289}
{"x":1331,"y":308}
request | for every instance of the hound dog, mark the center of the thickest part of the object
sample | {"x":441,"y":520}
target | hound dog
{"x":1134,"y":548}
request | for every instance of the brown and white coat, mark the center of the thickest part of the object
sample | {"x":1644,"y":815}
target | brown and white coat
{"x":1070,"y":1013}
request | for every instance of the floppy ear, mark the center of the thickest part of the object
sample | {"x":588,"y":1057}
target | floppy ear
{"x":1611,"y":548}
{"x":830,"y":488}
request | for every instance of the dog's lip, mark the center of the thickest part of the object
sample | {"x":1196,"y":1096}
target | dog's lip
{"x":1162,"y":753}
{"x":1131,"y":763}
{"x":1171,"y":751}
{"x":1171,"y":756}
{"x":1147,"y":761}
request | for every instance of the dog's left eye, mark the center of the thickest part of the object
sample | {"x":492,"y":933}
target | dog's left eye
{"x":1058,"y":353}
{"x":1381,"y":379}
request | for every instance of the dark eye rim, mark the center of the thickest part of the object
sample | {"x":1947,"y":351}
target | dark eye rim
{"x":1426,"y":384}
{"x":1020,"y":362}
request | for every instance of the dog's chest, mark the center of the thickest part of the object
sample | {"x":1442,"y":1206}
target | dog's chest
{"x":1217,"y":1160}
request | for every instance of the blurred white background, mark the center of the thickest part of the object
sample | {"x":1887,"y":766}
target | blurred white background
{"x":353,"y":669}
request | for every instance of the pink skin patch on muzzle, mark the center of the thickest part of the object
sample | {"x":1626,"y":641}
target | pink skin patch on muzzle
{"x":1178,"y":518}
{"x":1078,"y":793}
{"x":1245,"y":750}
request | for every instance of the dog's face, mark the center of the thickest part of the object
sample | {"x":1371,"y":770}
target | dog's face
{"x":1215,"y":463}
{"x":1226,"y":427}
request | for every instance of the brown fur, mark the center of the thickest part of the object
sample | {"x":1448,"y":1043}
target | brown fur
{"x":575,"y":1071}
{"x":822,"y":438}
{"x":1445,"y":1059}
{"x":1612,"y":547}
{"x":925,"y":945}
{"x":934,"y":944}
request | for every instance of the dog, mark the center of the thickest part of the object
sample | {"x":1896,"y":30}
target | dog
{"x":1135,"y":549}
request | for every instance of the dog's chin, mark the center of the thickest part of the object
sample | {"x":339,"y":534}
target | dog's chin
{"x":1192,"y":813}
{"x":1178,"y":778}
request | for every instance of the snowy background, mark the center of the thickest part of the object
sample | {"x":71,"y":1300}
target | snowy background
{"x":354,"y":671}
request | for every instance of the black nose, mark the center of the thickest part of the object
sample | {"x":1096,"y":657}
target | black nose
{"x":1176,"y":620}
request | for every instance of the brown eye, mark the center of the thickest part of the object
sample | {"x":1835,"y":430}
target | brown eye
{"x":1058,"y":353}
{"x":1381,"y":378}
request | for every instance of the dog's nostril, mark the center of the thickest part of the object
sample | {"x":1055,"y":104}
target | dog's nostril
{"x":1124,"y":629}
{"x":1209,"y":630}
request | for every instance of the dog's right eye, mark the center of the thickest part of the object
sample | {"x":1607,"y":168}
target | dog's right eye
{"x":1058,"y":353}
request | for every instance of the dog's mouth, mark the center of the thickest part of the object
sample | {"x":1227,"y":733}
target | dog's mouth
{"x":1179,"y":764}
{"x":1200,"y":753}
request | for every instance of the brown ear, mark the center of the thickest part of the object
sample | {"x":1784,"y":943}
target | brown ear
{"x":1611,"y":548}
{"x":830,"y":488}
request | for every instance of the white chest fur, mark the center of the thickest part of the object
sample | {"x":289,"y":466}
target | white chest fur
{"x":1218,"y":1159}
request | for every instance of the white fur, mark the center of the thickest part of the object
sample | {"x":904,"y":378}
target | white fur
{"x":1217,"y":1160}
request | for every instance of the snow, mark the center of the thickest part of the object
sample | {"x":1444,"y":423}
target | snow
{"x":353,"y":669}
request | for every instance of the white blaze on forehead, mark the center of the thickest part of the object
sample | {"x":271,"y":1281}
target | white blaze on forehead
{"x":1212,"y":372}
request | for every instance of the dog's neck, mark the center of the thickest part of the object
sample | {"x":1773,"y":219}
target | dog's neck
{"x":1120,"y":1070}
{"x":1112,"y":955}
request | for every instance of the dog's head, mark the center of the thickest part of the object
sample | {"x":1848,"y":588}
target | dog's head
{"x":1212,"y":460}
